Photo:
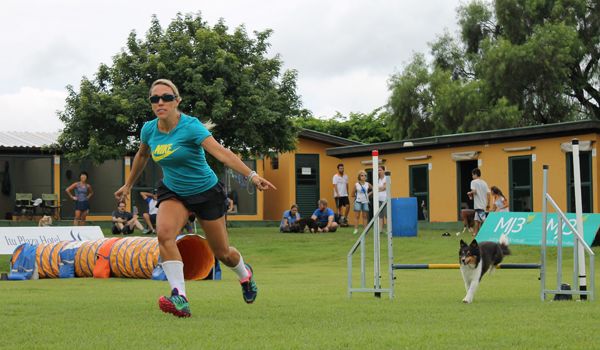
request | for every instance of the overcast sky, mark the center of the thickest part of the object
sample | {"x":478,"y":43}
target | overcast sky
{"x":344,"y":50}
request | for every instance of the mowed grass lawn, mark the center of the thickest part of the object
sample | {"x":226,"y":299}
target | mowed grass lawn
{"x":303,"y":304}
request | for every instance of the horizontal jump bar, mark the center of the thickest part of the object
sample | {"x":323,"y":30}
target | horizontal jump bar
{"x":457,"y":266}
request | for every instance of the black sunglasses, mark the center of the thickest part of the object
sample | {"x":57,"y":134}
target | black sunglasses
{"x":165,"y":98}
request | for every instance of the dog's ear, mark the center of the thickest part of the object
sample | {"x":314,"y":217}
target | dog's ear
{"x":474,"y":243}
{"x":462,"y":243}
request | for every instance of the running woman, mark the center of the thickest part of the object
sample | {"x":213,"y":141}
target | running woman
{"x":177,"y":142}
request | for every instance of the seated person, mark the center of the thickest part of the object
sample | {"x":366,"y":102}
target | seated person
{"x":324,"y":217}
{"x":123,"y":221}
{"x":150,"y":216}
{"x":231,"y":203}
{"x":289,"y":222}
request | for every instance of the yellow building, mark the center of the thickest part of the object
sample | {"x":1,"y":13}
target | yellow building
{"x":437,"y":170}
{"x":303,"y":176}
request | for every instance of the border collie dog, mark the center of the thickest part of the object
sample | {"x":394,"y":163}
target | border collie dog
{"x":478,"y":258}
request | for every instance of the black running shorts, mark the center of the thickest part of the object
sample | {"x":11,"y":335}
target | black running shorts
{"x":208,"y":205}
{"x":342,"y":201}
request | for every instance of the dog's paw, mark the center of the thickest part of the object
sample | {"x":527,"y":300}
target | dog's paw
{"x":467,"y":301}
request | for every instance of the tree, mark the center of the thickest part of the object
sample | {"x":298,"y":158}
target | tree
{"x":222,"y":76}
{"x":515,"y":63}
{"x":366,"y":128}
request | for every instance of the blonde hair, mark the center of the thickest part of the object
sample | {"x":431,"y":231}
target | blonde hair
{"x":362,"y":172}
{"x":165,"y":82}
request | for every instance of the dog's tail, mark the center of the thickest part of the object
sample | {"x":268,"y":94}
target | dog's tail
{"x":503,"y":241}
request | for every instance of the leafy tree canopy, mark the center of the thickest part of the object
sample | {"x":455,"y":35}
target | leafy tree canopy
{"x":515,"y":63}
{"x":366,"y":128}
{"x":222,"y":75}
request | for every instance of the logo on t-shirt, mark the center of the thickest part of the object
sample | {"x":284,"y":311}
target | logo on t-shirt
{"x":162,"y":151}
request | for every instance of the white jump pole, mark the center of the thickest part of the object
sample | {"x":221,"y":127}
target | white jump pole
{"x":579,"y":217}
{"x":376,"y":259}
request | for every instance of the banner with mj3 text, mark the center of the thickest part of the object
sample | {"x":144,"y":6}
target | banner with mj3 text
{"x":526,"y":228}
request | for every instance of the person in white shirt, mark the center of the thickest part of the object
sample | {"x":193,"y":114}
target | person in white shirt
{"x":340,"y":194}
{"x":480,"y":193}
{"x":362,"y":191}
{"x":381,"y":185}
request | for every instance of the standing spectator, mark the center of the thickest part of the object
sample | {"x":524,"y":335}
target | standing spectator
{"x":83,"y":193}
{"x":340,"y":194}
{"x":123,"y":221}
{"x":324,"y":217}
{"x":150,"y":216}
{"x":362,"y":191}
{"x":480,"y":193}
{"x":290,"y":218}
{"x":177,"y":143}
{"x":382,"y":187}
{"x":499,"y":200}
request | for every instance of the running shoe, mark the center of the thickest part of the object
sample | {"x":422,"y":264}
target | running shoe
{"x":249,"y":288}
{"x":175,"y":304}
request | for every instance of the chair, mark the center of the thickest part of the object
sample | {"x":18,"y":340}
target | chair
{"x":50,"y":205}
{"x":23,"y":204}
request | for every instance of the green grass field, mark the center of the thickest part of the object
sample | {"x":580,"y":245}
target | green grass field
{"x":303,"y":304}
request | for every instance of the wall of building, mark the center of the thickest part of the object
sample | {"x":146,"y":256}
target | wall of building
{"x":284,"y":178}
{"x":494,"y":164}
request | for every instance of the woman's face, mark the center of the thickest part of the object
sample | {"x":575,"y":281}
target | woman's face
{"x":381,"y":173}
{"x":83,"y":177}
{"x":294,"y":210}
{"x":162,"y":109}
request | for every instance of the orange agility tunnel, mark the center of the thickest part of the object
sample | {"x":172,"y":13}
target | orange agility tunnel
{"x":130,"y":257}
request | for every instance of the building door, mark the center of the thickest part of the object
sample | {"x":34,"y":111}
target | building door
{"x":521,"y":188}
{"x":585,"y":164}
{"x":419,"y":188}
{"x":463,"y":183}
{"x":307,"y":183}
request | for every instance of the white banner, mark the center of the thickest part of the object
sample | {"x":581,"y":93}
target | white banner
{"x":11,"y":237}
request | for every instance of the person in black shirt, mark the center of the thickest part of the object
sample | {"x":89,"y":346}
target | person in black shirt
{"x":123,"y":221}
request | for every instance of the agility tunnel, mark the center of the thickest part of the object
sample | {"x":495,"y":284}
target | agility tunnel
{"x":131,"y":257}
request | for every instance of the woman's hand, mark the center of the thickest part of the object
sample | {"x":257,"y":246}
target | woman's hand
{"x":74,"y":198}
{"x":261,"y":183}
{"x":122,"y":193}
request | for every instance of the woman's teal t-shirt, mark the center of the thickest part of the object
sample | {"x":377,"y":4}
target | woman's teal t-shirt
{"x":180,"y":155}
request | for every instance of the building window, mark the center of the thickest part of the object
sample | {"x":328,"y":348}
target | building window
{"x":244,"y":201}
{"x":275,"y":163}
{"x":419,"y":188}
{"x":585,"y":165}
{"x":520,"y":184}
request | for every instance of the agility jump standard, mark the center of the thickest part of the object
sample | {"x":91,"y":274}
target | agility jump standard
{"x":457,"y":266}
{"x":579,"y":251}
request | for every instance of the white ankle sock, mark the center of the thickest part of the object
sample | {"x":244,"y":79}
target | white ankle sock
{"x":174,"y":272}
{"x":240,"y":270}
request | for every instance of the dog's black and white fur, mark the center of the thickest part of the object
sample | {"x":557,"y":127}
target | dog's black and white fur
{"x":478,"y":258}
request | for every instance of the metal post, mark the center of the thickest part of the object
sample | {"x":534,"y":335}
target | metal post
{"x":559,"y":250}
{"x":376,"y":239}
{"x":388,"y":198}
{"x":578,"y":214}
{"x":544,"y":234}
{"x":363,"y":264}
